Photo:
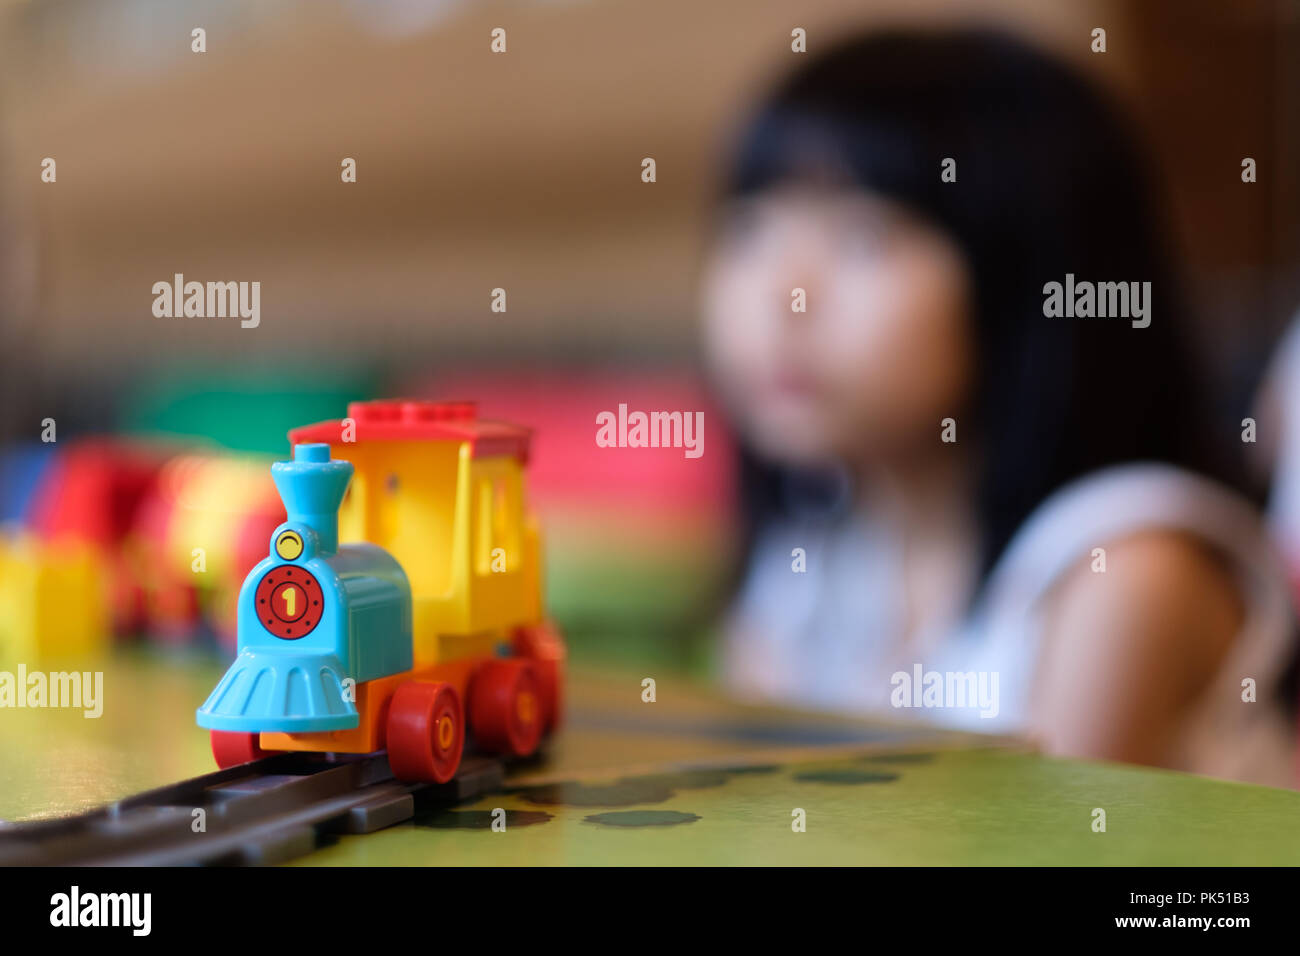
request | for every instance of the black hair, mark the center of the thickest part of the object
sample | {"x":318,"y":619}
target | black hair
{"x":1050,"y":181}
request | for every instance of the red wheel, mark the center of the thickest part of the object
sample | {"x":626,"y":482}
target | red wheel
{"x":543,"y":645}
{"x":426,"y":732}
{"x":505,"y":706}
{"x":230,"y":749}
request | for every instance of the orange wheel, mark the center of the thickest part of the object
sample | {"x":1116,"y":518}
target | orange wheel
{"x":426,"y":732}
{"x":230,"y":748}
{"x":505,"y":706}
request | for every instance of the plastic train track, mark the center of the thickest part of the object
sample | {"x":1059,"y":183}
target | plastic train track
{"x":264,"y":812}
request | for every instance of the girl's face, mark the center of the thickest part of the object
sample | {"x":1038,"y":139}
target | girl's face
{"x":880,"y":356}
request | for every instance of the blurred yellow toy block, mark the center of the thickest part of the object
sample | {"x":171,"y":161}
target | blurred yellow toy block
{"x":53,"y":604}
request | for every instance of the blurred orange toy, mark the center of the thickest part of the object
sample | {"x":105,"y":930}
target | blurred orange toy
{"x":205,"y":521}
{"x":428,"y":625}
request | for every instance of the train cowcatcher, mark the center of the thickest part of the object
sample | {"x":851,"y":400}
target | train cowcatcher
{"x":424,"y":627}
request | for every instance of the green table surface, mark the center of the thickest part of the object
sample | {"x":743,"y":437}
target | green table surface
{"x":693,"y":778}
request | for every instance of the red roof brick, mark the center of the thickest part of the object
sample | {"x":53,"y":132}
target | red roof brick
{"x":408,"y":420}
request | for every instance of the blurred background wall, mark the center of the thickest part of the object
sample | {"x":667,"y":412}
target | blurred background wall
{"x":519,"y":171}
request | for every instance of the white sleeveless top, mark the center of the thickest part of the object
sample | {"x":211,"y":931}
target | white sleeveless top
{"x":830,"y":638}
{"x":1284,"y":506}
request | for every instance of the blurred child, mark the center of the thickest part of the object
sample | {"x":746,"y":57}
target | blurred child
{"x":974,"y":485}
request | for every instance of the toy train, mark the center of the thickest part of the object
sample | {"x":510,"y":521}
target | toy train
{"x":428,"y":627}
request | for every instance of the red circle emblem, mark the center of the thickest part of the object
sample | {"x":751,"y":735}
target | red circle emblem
{"x":288,"y":602}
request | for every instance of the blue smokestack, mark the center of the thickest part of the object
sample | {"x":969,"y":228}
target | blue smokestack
{"x":312,"y":487}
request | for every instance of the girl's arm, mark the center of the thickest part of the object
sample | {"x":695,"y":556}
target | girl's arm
{"x":1128,"y":650}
